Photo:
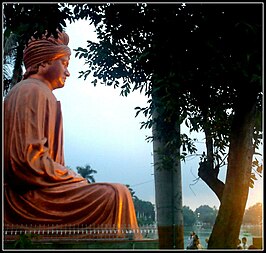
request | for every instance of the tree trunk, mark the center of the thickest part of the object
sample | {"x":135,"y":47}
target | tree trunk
{"x":228,"y":222}
{"x":168,"y":196}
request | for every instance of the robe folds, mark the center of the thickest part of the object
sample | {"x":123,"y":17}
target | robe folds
{"x":38,"y":188}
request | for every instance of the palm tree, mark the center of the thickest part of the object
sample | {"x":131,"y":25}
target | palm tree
{"x":13,"y":54}
{"x":87,"y":172}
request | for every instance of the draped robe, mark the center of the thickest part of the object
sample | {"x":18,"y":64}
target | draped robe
{"x":38,"y":188}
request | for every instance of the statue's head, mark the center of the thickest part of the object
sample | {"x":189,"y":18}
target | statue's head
{"x":43,"y":50}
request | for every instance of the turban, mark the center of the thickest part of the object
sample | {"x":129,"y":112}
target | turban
{"x":45,"y":49}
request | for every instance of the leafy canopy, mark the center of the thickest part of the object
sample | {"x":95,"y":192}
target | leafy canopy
{"x":189,"y":59}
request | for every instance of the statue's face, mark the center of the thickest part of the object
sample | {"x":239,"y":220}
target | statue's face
{"x":56,"y":72}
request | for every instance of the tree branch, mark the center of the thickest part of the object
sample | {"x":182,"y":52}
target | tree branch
{"x":210,"y":177}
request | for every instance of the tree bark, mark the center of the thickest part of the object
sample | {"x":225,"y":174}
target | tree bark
{"x":229,"y":219}
{"x":168,"y":197}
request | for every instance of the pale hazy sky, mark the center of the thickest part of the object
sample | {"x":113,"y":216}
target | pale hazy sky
{"x":100,"y":129}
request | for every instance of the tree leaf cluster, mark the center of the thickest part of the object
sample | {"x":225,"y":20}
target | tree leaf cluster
{"x":257,"y":168}
{"x":28,"y":20}
{"x":87,"y":172}
{"x":190,"y":58}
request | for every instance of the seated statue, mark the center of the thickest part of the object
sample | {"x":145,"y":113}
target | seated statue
{"x":38,"y":188}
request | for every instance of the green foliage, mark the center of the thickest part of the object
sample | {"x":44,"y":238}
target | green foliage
{"x":197,"y":70}
{"x":26,"y":20}
{"x":253,"y":215}
{"x":24,"y":241}
{"x":206,"y":214}
{"x":145,"y":212}
{"x":189,"y":216}
{"x":87,"y":172}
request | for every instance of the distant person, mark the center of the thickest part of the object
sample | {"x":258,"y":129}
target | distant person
{"x":207,"y":241}
{"x":244,"y":243}
{"x":197,"y":244}
{"x":191,"y":240}
{"x":38,"y":188}
{"x":239,"y":244}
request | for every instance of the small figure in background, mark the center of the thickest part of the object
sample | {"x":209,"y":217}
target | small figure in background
{"x":191,"y":240}
{"x":244,"y":243}
{"x":239,"y":244}
{"x":207,"y":241}
{"x":197,"y":244}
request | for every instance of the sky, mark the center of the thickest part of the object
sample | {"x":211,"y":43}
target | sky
{"x":101,"y":130}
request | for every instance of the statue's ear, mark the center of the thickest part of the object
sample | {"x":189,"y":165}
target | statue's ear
{"x":43,"y":64}
{"x":42,"y":67}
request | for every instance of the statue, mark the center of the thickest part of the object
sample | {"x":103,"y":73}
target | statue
{"x":38,"y":188}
